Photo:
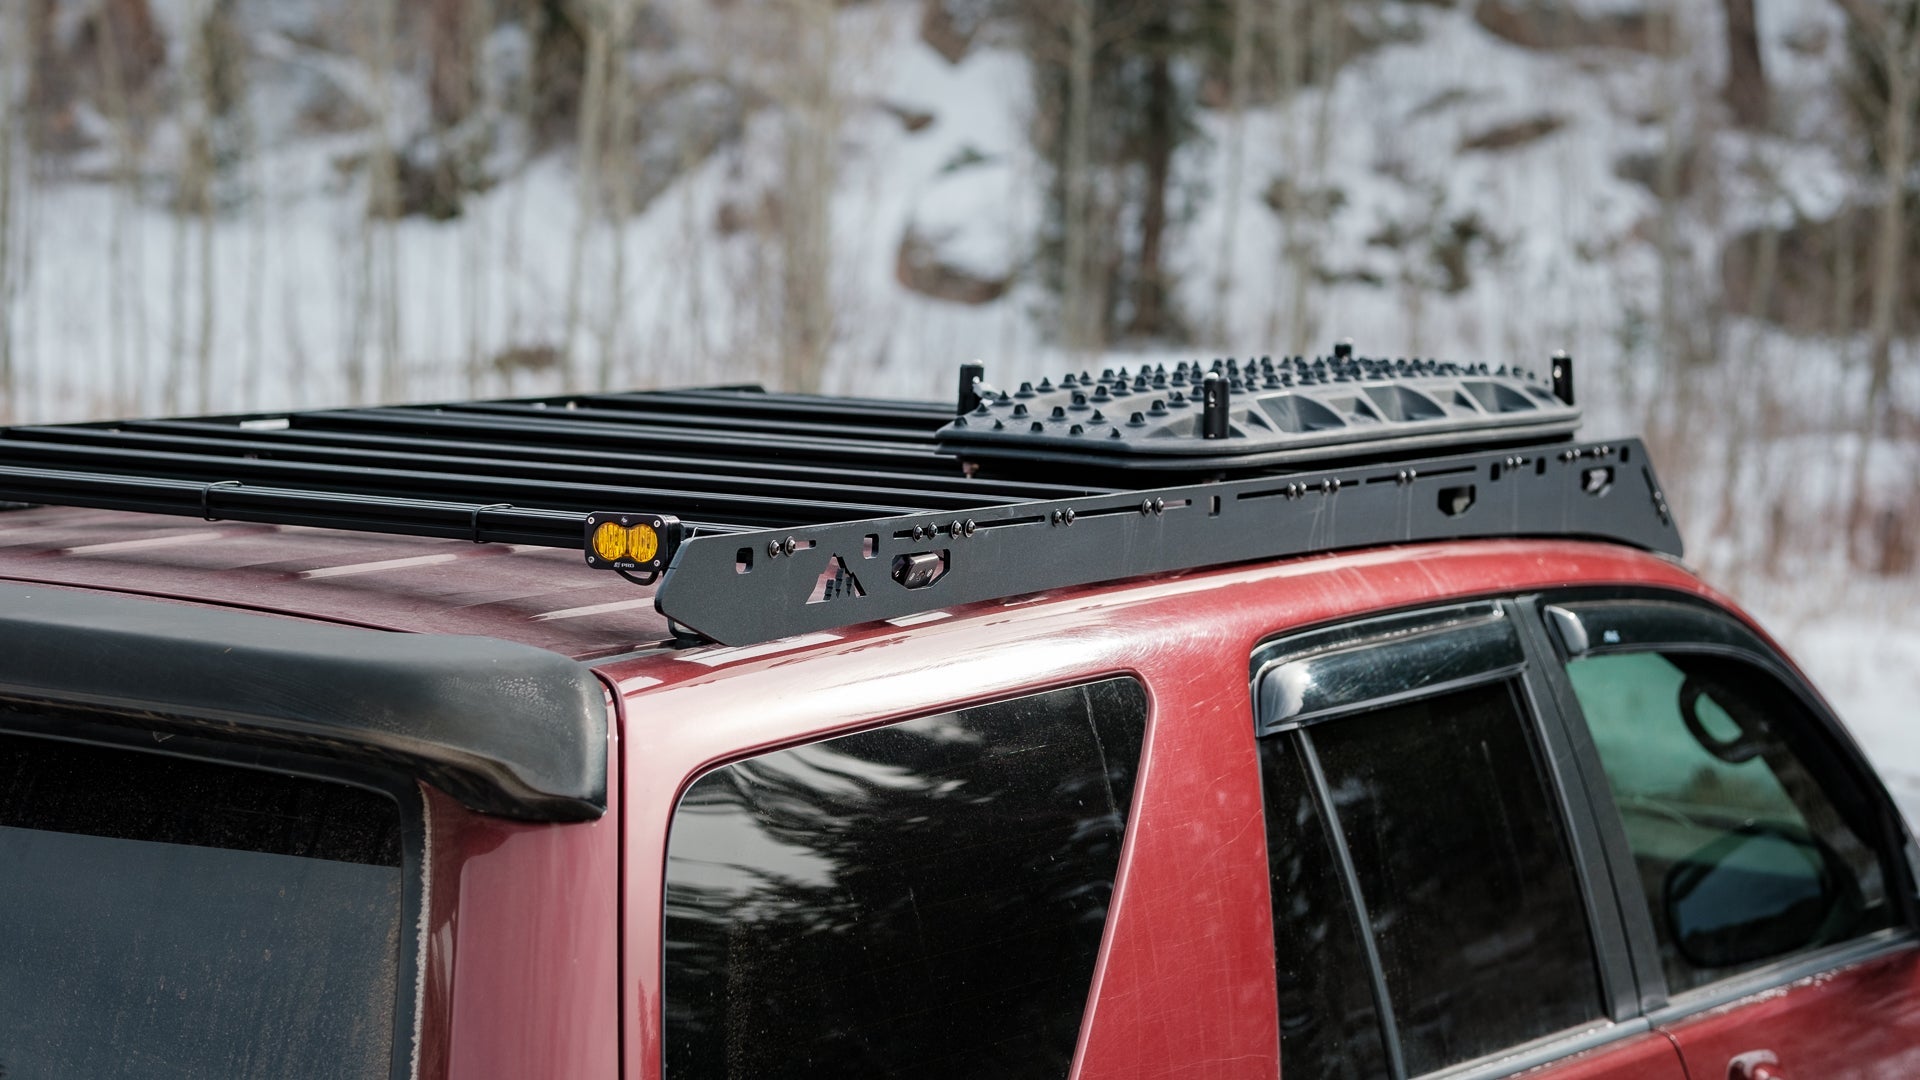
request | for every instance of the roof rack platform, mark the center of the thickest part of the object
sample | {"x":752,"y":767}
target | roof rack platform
{"x":767,"y":515}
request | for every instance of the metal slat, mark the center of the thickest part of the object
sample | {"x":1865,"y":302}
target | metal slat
{"x":442,"y":487}
{"x":558,"y":430}
{"x":335,"y":510}
{"x":956,"y":482}
{"x":601,"y":472}
{"x":782,"y":429}
{"x":787,"y":408}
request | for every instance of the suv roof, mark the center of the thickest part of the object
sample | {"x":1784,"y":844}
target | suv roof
{"x":762,"y":516}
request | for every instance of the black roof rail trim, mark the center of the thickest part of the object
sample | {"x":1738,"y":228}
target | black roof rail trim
{"x":770,"y":584}
{"x":507,"y":729}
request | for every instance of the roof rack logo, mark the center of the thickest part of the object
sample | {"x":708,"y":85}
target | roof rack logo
{"x":836,"y":582}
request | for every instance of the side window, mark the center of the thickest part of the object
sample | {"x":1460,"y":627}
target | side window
{"x":924,"y":899}
{"x":1426,"y":907}
{"x":161,"y":916}
{"x":1467,"y":879}
{"x":1745,"y":854}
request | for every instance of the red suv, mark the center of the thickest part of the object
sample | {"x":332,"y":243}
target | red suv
{"x":1333,"y":718}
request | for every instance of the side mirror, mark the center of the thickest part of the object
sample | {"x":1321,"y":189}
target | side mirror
{"x":1754,"y":894}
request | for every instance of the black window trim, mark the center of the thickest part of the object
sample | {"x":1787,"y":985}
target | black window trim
{"x":1735,"y":640}
{"x":59,"y":721}
{"x":1623,"y":1009}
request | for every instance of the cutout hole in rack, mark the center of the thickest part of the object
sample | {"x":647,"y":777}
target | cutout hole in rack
{"x":743,"y":561}
{"x":869,"y":545}
{"x":1455,"y":501}
{"x":1213,"y":508}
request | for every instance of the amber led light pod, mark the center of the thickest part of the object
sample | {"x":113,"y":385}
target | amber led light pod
{"x":639,"y":543}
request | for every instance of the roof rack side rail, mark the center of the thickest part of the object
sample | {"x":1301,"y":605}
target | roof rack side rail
{"x":768,"y":584}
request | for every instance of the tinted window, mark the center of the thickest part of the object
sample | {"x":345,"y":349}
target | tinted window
{"x":1328,"y":1024}
{"x":923,"y":900}
{"x":1465,"y":874}
{"x":1744,"y":855}
{"x":169,"y":918}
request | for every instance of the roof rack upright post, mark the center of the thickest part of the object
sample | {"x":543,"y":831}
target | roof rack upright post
{"x":970,"y":376}
{"x":1214,"y":400}
{"x":1562,"y":377}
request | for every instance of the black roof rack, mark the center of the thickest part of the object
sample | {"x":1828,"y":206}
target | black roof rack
{"x":778,"y":514}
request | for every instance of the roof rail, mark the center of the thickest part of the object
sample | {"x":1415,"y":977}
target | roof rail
{"x":776,"y":514}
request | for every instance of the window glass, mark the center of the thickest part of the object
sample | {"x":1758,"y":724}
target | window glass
{"x":1744,"y":858}
{"x":1328,"y":1024}
{"x":1466,"y":875}
{"x":169,"y":918}
{"x":924,"y":899}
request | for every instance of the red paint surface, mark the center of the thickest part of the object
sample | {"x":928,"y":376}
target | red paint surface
{"x":1854,"y":1024}
{"x":1184,"y":985}
{"x":522,"y":966}
{"x":528,"y":973}
{"x":1649,"y":1056}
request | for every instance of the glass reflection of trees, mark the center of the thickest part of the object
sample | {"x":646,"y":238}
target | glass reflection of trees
{"x":925,"y":898}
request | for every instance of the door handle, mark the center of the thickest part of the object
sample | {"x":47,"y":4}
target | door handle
{"x":1755,"y":1065}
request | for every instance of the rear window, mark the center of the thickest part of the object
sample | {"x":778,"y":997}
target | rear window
{"x":925,"y":899}
{"x":165,"y":917}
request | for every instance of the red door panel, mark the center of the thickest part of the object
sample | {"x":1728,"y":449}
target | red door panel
{"x":1646,"y":1057}
{"x":1858,"y":1023}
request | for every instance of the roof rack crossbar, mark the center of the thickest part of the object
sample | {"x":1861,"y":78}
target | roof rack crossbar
{"x":213,"y":435}
{"x":561,"y":430}
{"x":480,"y":523}
{"x":36,"y":444}
{"x":781,"y":429}
{"x":916,"y":418}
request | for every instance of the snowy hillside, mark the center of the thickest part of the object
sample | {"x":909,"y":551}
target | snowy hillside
{"x":1464,"y":185}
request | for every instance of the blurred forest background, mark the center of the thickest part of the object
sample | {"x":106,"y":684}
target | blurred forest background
{"x":227,"y":205}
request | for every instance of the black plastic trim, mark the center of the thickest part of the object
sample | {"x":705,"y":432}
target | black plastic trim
{"x":1563,"y":758}
{"x":507,"y":729}
{"x":1357,"y":902}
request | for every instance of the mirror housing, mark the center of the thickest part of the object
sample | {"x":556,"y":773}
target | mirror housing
{"x":1756,"y":893}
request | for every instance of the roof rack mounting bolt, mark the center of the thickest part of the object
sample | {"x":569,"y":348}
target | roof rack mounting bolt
{"x":1343,"y":349}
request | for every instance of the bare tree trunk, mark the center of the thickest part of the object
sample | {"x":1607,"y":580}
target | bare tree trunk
{"x":1746,"y":88}
{"x":1674,"y":336}
{"x":1150,"y":307}
{"x":806,"y":220}
{"x":118,"y":109}
{"x":1889,"y":254}
{"x":1080,"y":311}
{"x":592,"y":128}
{"x":382,"y":239}
{"x":474,"y":231}
{"x":1239,"y":74}
{"x":1306,"y":164}
{"x":620,"y":176}
{"x":14,"y":41}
